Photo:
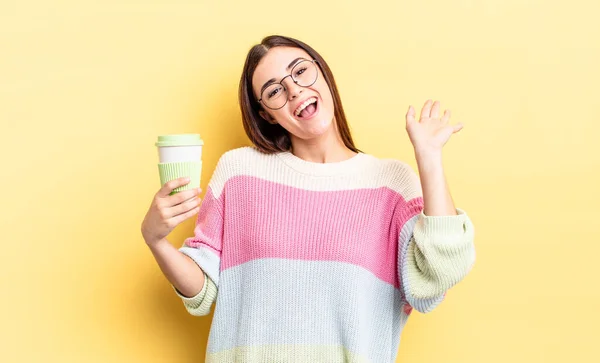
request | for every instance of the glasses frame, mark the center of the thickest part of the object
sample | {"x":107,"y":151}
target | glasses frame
{"x":314,"y":61}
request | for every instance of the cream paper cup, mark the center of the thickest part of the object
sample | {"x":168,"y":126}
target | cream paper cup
{"x":180,"y":155}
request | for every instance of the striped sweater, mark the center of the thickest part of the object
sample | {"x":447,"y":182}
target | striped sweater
{"x":311,"y":262}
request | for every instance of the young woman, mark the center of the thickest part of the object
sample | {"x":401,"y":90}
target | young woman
{"x":312,"y":250}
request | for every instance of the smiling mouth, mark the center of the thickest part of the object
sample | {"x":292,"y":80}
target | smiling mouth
{"x":309,"y":111}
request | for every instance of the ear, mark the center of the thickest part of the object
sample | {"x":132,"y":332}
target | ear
{"x":267,"y":117}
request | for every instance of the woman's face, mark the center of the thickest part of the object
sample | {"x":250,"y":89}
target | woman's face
{"x":278,"y":63}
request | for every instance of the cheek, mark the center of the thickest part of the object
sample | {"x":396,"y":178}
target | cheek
{"x":326,"y":96}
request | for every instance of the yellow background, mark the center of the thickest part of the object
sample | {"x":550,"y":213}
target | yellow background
{"x":86,"y":86}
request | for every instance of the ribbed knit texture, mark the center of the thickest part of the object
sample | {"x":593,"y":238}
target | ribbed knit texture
{"x":174,"y":170}
{"x":311,"y":262}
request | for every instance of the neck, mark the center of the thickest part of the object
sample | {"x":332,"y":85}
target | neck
{"x":327,"y":148}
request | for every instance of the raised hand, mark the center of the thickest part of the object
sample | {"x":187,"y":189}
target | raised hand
{"x":431,"y":132}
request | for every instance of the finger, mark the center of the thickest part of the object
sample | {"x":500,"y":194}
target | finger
{"x":182,"y":196}
{"x":446,"y":117}
{"x":182,"y":208}
{"x":410,"y":115}
{"x":166,"y":189}
{"x":435,"y":110}
{"x":426,"y":111}
{"x":456,"y":128}
{"x":182,"y":217}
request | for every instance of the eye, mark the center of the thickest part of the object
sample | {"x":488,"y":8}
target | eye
{"x":274,"y":92}
{"x":300,"y":71}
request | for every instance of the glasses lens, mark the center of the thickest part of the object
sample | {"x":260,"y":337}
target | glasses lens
{"x":274,"y":96}
{"x":305,"y":73}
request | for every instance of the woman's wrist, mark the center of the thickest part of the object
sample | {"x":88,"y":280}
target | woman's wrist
{"x":155,"y":243}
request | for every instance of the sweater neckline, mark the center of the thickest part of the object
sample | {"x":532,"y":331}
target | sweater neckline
{"x":350,"y":165}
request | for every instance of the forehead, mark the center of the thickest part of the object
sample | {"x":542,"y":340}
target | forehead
{"x":274,"y":63}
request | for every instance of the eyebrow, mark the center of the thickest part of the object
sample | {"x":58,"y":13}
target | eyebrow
{"x":273,"y":80}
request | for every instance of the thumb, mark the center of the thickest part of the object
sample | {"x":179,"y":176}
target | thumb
{"x":410,"y":115}
{"x":456,"y":128}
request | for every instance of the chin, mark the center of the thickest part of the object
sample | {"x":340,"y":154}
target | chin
{"x":314,"y":128}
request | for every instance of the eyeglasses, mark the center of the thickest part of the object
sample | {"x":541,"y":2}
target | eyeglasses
{"x":304,"y":74}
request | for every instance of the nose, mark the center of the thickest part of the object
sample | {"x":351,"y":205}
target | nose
{"x":293,"y":90}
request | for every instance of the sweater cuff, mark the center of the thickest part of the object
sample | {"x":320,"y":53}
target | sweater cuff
{"x":194,"y":301}
{"x":440,"y":227}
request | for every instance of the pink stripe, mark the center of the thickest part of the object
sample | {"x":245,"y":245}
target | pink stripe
{"x":269,"y":220}
{"x":208,"y":231}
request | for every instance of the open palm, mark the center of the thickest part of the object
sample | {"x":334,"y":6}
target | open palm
{"x":430,"y":133}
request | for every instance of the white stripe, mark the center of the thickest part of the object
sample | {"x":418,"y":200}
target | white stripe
{"x":362,"y":172}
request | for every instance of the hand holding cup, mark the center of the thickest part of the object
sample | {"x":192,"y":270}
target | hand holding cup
{"x":169,"y":210}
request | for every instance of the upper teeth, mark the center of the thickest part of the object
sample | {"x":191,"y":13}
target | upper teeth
{"x":303,"y":106}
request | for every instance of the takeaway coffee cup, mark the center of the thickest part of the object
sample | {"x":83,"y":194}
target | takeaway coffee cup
{"x":180,"y":155}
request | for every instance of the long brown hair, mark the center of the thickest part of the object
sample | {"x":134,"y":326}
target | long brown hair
{"x":272,"y":138}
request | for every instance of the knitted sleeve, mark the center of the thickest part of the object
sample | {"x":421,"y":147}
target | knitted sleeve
{"x":205,"y":246}
{"x":200,"y":304}
{"x":434,"y":254}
